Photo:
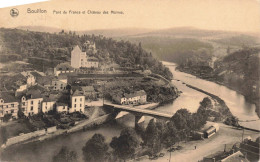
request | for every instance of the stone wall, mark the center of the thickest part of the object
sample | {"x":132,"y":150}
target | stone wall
{"x":24,"y":137}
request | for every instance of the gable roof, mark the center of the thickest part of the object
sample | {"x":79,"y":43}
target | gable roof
{"x":135,"y":94}
{"x":33,"y":94}
{"x":77,"y":49}
{"x":8,"y":97}
{"x":78,"y":93}
{"x":36,"y":74}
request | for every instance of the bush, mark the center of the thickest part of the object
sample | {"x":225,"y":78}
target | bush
{"x":7,"y":117}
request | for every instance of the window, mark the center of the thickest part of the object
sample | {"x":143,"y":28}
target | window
{"x":1,"y":106}
{"x":80,"y":99}
{"x":23,"y":104}
{"x":80,"y":105}
{"x":75,"y":105}
{"x":31,"y":102}
{"x":12,"y":111}
{"x":2,"y":101}
{"x":12,"y":105}
{"x":31,"y":108}
{"x":6,"y":106}
{"x":75,"y":100}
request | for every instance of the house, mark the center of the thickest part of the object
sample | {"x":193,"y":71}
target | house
{"x":237,"y":156}
{"x":77,"y":102}
{"x":89,"y":92}
{"x":8,"y":105}
{"x":80,"y":59}
{"x":250,"y":149}
{"x":59,"y":83}
{"x":92,"y":62}
{"x":138,"y":97}
{"x":48,"y":104}
{"x":31,"y":102}
{"x":61,"y":107}
{"x":22,"y":81}
{"x":45,"y":82}
{"x":211,"y":130}
{"x":63,"y":68}
{"x":30,"y":79}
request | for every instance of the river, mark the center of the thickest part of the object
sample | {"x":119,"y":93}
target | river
{"x":189,"y":99}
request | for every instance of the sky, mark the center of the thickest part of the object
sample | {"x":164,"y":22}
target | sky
{"x":227,"y":15}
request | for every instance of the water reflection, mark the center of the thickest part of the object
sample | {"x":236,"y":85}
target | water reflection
{"x":189,"y":99}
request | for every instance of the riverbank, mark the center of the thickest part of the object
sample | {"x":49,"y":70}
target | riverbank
{"x":215,"y":80}
{"x":82,"y":125}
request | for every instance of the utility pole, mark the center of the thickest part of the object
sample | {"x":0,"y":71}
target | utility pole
{"x":243,"y":135}
{"x":103,"y":94}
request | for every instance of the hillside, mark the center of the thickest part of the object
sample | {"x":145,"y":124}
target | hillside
{"x":174,"y":44}
{"x":238,"y":70}
{"x":46,"y":50}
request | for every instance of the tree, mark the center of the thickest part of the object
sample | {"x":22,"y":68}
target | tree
{"x":125,"y":145}
{"x":3,"y":135}
{"x":65,"y":155}
{"x":95,"y":149}
{"x":152,"y":137}
{"x":20,"y":113}
{"x":171,"y":135}
{"x":7,"y":117}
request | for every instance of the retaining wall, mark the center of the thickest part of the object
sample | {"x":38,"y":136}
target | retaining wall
{"x":24,"y":137}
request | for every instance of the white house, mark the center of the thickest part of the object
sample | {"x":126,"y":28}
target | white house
{"x":23,"y":81}
{"x":59,"y":84}
{"x":30,"y":79}
{"x":61,"y":107}
{"x":77,"y":102}
{"x":48,"y":104}
{"x":63,"y":68}
{"x":138,"y":97}
{"x":8,"y":105}
{"x":31,"y":102}
{"x":80,"y":59}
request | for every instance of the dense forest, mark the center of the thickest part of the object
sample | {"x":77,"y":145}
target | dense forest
{"x":46,"y":50}
{"x":240,"y":70}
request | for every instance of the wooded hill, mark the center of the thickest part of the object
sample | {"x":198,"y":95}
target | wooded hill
{"x":50,"y":49}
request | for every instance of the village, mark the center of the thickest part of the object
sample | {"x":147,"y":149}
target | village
{"x":90,"y":89}
{"x":64,"y":96}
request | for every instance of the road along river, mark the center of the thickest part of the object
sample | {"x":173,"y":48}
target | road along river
{"x":43,"y":151}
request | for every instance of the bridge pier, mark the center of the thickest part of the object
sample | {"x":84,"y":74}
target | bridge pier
{"x":139,"y":121}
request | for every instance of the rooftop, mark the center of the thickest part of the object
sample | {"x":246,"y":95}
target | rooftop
{"x":137,"y":93}
{"x":78,"y":93}
{"x":33,"y":94}
{"x":8,"y":97}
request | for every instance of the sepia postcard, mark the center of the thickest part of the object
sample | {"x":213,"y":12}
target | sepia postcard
{"x":129,"y":80}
